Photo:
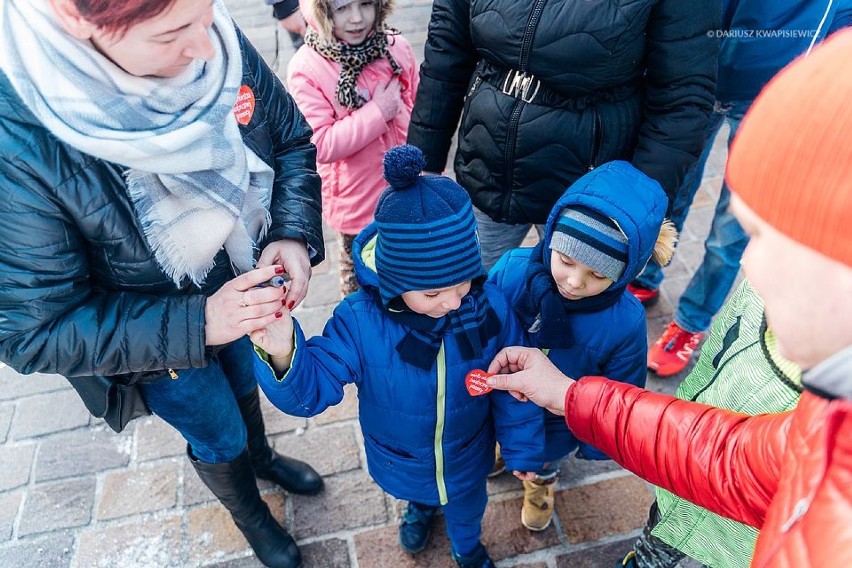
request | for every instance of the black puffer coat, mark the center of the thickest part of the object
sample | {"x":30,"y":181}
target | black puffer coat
{"x":625,"y":79}
{"x":82,"y":294}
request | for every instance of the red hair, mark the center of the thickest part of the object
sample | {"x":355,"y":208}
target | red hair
{"x":117,"y":16}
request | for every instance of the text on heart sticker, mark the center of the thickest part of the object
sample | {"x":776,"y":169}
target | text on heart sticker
{"x":476,"y":382}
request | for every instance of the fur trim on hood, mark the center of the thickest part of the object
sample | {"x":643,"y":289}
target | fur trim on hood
{"x":317,"y":14}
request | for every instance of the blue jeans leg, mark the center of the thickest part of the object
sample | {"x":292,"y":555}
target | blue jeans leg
{"x":201,"y":404}
{"x":711,"y":283}
{"x":497,"y":238}
{"x":652,"y":276}
{"x":723,"y":250}
{"x":463,"y":517}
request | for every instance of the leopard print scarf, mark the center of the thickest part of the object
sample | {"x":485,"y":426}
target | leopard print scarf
{"x":352,"y":59}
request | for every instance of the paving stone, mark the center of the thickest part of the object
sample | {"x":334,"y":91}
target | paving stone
{"x":55,"y":506}
{"x":156,"y":439}
{"x":9,"y":504}
{"x":55,"y":551}
{"x":603,"y":555}
{"x":328,"y":450}
{"x":15,"y":465}
{"x":322,"y":267}
{"x":379,"y":548}
{"x":154,"y":543}
{"x":143,"y":490}
{"x":350,"y":500}
{"x":325,"y":554}
{"x":313,"y":319}
{"x":14,"y":385}
{"x":707,"y":194}
{"x":212,"y":534}
{"x":85,"y":451}
{"x":346,"y":410}
{"x":47,"y":413}
{"x":573,"y":471}
{"x":6,"y":412}
{"x":535,"y":565}
{"x":505,"y":536}
{"x":614,"y":506}
{"x":276,"y":421}
{"x":689,"y":255}
{"x":240,"y":562}
{"x":324,"y":287}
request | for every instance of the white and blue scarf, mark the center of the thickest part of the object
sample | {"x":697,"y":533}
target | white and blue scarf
{"x":196,"y":187}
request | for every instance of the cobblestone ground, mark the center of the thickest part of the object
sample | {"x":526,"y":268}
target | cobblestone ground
{"x":73,"y":493}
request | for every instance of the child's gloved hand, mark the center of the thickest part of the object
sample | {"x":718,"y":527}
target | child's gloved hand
{"x":277,"y":340}
{"x":524,"y":475}
{"x":388,"y":98}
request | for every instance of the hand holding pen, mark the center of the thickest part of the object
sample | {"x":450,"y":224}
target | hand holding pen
{"x":249,"y":302}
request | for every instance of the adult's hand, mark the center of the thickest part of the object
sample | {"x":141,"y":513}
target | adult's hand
{"x":293,"y":23}
{"x":240,"y":307}
{"x":293,"y":256}
{"x":529,"y":375}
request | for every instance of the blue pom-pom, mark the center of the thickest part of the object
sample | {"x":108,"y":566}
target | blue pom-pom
{"x":403,"y":165}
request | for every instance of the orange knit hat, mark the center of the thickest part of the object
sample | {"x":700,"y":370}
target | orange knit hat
{"x":791,"y":161}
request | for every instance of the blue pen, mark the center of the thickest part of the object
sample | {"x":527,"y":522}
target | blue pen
{"x":276,"y":281}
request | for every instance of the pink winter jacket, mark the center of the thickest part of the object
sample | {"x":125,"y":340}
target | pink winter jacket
{"x":351,"y":143}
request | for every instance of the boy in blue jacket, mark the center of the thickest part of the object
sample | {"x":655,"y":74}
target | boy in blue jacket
{"x":423,"y":319}
{"x":570,"y":294}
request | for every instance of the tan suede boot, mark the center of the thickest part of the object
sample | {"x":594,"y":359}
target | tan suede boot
{"x":537,"y":511}
{"x":499,"y":465}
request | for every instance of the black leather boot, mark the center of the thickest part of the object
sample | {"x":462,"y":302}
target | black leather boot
{"x":235,"y":486}
{"x":293,"y":476}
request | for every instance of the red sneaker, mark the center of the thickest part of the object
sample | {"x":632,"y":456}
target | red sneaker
{"x":672,"y":351}
{"x":647,"y":296}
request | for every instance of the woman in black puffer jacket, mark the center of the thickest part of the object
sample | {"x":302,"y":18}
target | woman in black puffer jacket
{"x":549,"y":89}
{"x":148,"y":154}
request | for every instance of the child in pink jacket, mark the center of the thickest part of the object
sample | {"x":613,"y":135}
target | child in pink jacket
{"x":355,"y":81}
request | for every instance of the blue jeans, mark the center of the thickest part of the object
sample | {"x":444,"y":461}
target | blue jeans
{"x":201,"y":403}
{"x":497,"y":238}
{"x":724,"y":245}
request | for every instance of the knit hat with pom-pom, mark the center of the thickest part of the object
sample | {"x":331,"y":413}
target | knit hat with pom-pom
{"x":426,"y":229}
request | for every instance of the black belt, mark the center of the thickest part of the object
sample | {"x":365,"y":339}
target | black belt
{"x":528,"y":88}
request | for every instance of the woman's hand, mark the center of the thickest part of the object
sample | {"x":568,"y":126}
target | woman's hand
{"x":533,"y":377}
{"x":524,"y":475}
{"x":240,"y":307}
{"x":293,"y":256}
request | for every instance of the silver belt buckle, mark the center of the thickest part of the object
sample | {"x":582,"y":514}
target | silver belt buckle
{"x":521,"y":85}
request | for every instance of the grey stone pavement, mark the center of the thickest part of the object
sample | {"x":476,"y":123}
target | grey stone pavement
{"x":75,"y":494}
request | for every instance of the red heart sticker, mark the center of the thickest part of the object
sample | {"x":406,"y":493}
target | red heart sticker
{"x":476,"y":382}
{"x":244,"y":107}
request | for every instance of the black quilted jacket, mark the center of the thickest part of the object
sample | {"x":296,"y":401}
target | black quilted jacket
{"x":624,"y":79}
{"x":81,"y":293}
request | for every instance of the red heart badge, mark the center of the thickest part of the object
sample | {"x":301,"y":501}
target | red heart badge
{"x":476,"y":382}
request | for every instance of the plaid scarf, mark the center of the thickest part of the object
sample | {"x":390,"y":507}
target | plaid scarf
{"x":473,"y":324}
{"x":352,"y":60}
{"x":196,"y":187}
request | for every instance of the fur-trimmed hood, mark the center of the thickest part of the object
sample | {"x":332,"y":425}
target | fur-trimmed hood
{"x":317,"y":14}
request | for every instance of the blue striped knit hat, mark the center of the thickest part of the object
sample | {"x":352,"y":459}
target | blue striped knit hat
{"x":426,"y":229}
{"x":591,"y":238}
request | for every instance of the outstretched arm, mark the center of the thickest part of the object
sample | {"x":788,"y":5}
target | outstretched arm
{"x":726,"y":462}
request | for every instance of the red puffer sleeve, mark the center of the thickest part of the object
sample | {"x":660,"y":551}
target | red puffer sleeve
{"x":726,"y":462}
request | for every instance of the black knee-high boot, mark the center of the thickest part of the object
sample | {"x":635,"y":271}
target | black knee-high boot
{"x":235,"y":485}
{"x":292,"y":475}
